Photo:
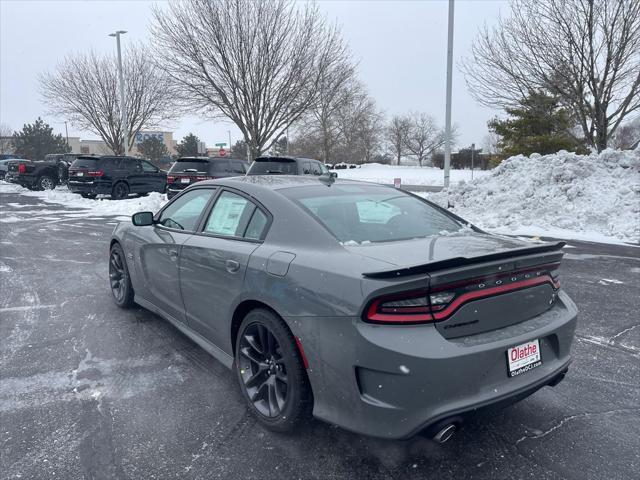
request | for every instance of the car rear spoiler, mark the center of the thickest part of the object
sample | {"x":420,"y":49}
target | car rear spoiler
{"x":462,"y":261}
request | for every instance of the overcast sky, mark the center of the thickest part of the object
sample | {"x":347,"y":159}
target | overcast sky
{"x":400,"y":46}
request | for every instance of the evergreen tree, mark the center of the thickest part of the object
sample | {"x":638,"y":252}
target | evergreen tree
{"x":36,"y":140}
{"x":188,"y":147}
{"x":239,"y":150}
{"x":153,"y":148}
{"x":538,"y":125}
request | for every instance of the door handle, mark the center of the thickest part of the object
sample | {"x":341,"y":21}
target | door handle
{"x":232,"y":266}
{"x":173,"y":255}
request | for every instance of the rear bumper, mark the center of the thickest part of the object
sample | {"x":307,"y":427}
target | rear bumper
{"x":96,"y":188}
{"x":172,"y":191}
{"x":394,"y":381}
{"x":27,"y":181}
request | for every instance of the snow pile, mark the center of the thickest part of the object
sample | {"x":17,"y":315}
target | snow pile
{"x":594,"y":197}
{"x":100,"y":207}
{"x":378,"y":173}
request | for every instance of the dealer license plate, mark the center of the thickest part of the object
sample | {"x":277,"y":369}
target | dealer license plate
{"x":523,"y":358}
{"x":185,"y":180}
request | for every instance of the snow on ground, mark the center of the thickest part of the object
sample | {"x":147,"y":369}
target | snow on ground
{"x":85,"y":207}
{"x":583,"y":197}
{"x":378,"y":173}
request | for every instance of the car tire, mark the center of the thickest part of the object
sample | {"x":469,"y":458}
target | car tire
{"x":120,"y":191}
{"x":271,"y":372}
{"x":88,"y":195}
{"x":45,"y":182}
{"x":119,"y":279}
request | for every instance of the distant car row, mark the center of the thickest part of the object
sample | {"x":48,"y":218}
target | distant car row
{"x":121,"y":176}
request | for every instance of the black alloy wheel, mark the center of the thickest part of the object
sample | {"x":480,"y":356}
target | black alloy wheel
{"x":271,"y":372}
{"x":119,"y":277}
{"x":120,"y":191}
{"x":46,"y":183}
{"x":263,"y":370}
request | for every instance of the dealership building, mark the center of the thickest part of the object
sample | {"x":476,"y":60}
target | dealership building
{"x":98,"y":147}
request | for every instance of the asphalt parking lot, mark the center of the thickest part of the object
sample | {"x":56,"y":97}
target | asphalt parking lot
{"x":91,"y":391}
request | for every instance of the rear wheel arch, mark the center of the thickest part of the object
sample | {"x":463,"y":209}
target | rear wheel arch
{"x":240,"y":312}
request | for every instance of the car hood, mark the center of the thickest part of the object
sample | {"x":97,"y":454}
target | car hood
{"x":436,"y":248}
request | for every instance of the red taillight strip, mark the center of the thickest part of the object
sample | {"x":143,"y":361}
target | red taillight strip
{"x":488,"y":292}
{"x":374,"y":315}
{"x":401,"y":318}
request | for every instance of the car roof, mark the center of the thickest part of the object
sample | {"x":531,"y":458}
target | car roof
{"x":200,"y":159}
{"x":284,"y":158}
{"x":256,"y":183}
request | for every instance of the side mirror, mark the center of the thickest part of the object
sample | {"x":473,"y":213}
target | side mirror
{"x":142,"y":219}
{"x":333,"y":174}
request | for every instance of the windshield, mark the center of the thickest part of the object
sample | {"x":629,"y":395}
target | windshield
{"x":367,"y":214}
{"x":274,"y":167}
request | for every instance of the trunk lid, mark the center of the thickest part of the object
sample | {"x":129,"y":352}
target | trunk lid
{"x":474,"y":283}
{"x":419,"y":251}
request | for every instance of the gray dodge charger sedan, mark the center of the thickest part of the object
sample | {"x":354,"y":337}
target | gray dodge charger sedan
{"x":362,"y":305}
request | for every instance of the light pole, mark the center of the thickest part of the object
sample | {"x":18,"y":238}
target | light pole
{"x":229,"y":132}
{"x":473,"y":147}
{"x":123,"y":107}
{"x":447,"y":142}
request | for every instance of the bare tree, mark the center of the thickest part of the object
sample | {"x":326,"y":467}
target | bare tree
{"x":84,"y":90}
{"x":424,"y":136}
{"x":359,"y":126}
{"x":257,"y":63}
{"x":628,"y":135}
{"x":6,"y":135}
{"x":397,"y":133}
{"x":335,"y":89}
{"x":587,"y":52}
{"x":491,"y":143}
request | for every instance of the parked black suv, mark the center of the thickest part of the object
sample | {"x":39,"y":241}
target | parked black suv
{"x":188,"y":170}
{"x":116,"y":176}
{"x":288,"y":166}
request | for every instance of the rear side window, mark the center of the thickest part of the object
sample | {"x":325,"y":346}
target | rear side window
{"x":83,"y":162}
{"x":274,"y":167}
{"x":184,"y":212}
{"x":257,"y":225}
{"x":129,"y":164}
{"x":230,"y":215}
{"x":148,"y":168}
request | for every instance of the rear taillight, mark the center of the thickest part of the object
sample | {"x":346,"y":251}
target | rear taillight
{"x":22,"y":168}
{"x":95,"y":173}
{"x":408,"y":307}
{"x":170,"y":178}
{"x":204,"y":178}
{"x":443,"y":300}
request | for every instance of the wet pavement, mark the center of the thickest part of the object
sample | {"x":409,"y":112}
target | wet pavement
{"x":91,"y":391}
